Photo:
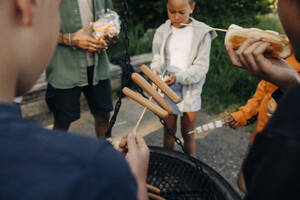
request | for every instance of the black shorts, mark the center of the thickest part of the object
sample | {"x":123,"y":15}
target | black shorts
{"x":65,"y":103}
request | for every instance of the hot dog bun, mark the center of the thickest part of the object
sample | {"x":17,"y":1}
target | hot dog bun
{"x":103,"y":28}
{"x":236,"y":35}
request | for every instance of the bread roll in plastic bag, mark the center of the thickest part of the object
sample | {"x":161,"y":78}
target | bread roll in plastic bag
{"x":107,"y":24}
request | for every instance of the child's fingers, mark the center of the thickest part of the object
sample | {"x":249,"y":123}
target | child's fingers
{"x":141,"y":142}
{"x":232,"y":56}
{"x":235,"y":125}
{"x":262,"y":63}
{"x":123,"y":142}
{"x":248,"y":55}
{"x":228,"y":119}
{"x":270,"y":109}
{"x":269,"y":115}
{"x":131,"y":143}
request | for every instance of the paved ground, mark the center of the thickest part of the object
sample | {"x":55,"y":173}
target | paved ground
{"x":222,"y":149}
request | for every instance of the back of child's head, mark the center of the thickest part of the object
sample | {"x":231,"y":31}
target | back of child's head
{"x":29,"y":35}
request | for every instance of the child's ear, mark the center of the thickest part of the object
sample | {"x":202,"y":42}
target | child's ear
{"x":24,"y":11}
{"x":193,"y":5}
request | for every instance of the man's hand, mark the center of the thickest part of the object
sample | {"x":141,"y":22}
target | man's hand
{"x":229,"y":121}
{"x":251,"y":56}
{"x":111,"y":38}
{"x":137,"y":155}
{"x":81,"y":39}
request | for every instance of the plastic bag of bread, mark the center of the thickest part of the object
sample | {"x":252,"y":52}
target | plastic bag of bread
{"x":107,"y":24}
{"x":281,"y":46}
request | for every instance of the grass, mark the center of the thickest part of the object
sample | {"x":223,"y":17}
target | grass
{"x":270,"y":22}
{"x":227,"y":87}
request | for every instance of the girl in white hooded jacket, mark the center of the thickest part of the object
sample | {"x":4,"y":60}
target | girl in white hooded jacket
{"x":183,"y":53}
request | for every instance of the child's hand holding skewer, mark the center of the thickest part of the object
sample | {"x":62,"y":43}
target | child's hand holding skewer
{"x":230,"y":121}
{"x":170,"y":80}
{"x":137,"y":155}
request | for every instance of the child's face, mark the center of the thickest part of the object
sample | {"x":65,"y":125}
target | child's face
{"x":179,"y":11}
{"x":289,"y":13}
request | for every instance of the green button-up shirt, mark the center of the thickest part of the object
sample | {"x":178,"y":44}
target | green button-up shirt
{"x":68,"y":67}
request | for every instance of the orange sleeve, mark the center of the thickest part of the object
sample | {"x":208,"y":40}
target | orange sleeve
{"x":252,"y":107}
{"x":293,"y":62}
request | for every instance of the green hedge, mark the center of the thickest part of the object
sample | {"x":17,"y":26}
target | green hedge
{"x":219,"y":13}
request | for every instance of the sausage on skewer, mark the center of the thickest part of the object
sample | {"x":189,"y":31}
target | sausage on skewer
{"x":155,"y":197}
{"x":145,"y":102}
{"x":162,"y":85}
{"x":153,"y":189}
{"x":138,"y":79}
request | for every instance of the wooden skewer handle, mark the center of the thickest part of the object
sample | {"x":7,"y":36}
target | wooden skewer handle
{"x":153,"y":189}
{"x":210,"y":28}
{"x":142,"y":115}
{"x":145,"y":102}
{"x":138,"y":79}
{"x":162,"y":85}
{"x":155,"y":197}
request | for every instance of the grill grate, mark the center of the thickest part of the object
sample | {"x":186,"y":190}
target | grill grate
{"x":179,"y":179}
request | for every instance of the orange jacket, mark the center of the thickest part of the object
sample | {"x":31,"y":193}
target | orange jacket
{"x":258,"y":104}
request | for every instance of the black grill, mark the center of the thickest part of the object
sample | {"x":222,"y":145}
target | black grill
{"x":178,"y":178}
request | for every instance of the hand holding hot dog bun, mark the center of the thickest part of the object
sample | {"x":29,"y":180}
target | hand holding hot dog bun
{"x":251,"y":56}
{"x":280,"y":45}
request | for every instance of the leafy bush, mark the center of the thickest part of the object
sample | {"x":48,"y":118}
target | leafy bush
{"x":138,"y":43}
{"x":220,"y":13}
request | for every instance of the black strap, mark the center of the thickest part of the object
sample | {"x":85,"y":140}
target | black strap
{"x":105,"y":6}
{"x":252,"y":120}
{"x":277,"y":95}
{"x":126,"y":74}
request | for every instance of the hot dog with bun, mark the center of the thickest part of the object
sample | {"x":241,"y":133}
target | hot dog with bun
{"x":281,"y":47}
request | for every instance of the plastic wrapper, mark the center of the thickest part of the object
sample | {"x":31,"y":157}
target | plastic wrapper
{"x":107,"y":24}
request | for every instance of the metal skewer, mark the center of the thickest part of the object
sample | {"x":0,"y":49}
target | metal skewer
{"x":198,"y":26}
